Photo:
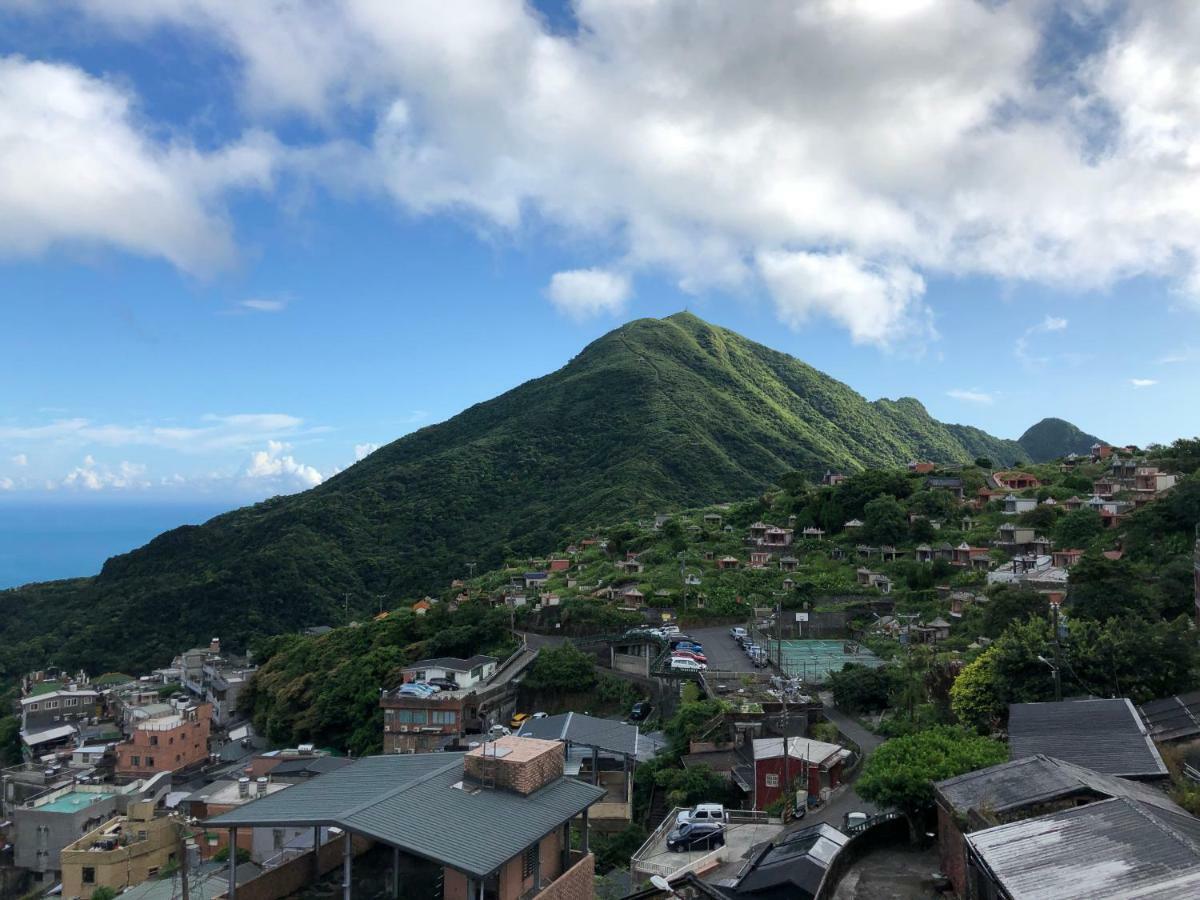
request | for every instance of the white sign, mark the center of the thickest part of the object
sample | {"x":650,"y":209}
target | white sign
{"x":802,"y":617}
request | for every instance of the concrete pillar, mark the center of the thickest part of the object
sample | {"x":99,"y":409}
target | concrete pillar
{"x":595,"y":766}
{"x":584,"y":840}
{"x":232,"y":864}
{"x":316,"y":860}
{"x":396,"y":872}
{"x":566,"y":845}
{"x":347,"y":860}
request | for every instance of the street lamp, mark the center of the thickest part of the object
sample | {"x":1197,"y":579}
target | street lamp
{"x":1057,"y":678}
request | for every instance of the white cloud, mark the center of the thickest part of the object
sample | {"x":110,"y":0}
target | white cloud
{"x":362,"y":451}
{"x":1184,"y":355}
{"x":276,"y":465}
{"x":1143,"y":382}
{"x":583,"y":293}
{"x":971,"y":396}
{"x":20,"y":459}
{"x":93,"y":476}
{"x":875,"y":304}
{"x":691,"y":137}
{"x":6,"y":484}
{"x":1048,"y":325}
{"x":216,"y":432}
{"x":264,"y":304}
{"x":79,"y":169}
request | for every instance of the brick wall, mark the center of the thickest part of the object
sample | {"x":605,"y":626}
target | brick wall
{"x":577,"y":883}
{"x":530,"y":765}
{"x":952,"y":851}
{"x":297,"y":873}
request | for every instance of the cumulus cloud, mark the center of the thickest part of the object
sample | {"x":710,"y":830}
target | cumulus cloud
{"x":78,"y":168}
{"x":20,"y":459}
{"x":875,"y":304}
{"x":1143,"y":382}
{"x":362,"y":451}
{"x":6,"y":484}
{"x":971,"y":396}
{"x":1048,"y":325}
{"x":880,"y":143}
{"x":583,"y":293}
{"x":276,"y":465}
{"x":93,"y":476}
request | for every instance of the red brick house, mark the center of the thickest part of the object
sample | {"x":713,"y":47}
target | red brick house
{"x":817,"y":762}
{"x":167,"y":743}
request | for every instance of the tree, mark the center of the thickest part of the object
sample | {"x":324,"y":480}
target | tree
{"x":1078,"y":528}
{"x":104,"y":893}
{"x":690,"y":722}
{"x":922,"y":531}
{"x":975,"y":697}
{"x":560,"y":670}
{"x":1042,"y":517}
{"x":1007,"y":604}
{"x":983,"y":462}
{"x":901,"y":773}
{"x":1103,"y":588}
{"x":884,"y":520}
{"x":862,"y":689}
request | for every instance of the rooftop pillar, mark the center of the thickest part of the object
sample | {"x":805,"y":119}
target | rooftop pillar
{"x":583,"y":846}
{"x":232,"y":864}
{"x":347,"y":859}
{"x":396,"y":872}
{"x":316,"y":863}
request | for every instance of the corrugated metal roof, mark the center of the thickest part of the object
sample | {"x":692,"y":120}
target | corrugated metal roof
{"x":1106,"y":736}
{"x":604,"y":734}
{"x":1174,"y":717}
{"x":411,"y":801}
{"x":1116,"y":848}
{"x":1038,"y":779}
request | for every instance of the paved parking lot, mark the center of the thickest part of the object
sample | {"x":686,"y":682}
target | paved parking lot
{"x":658,"y":860}
{"x":722,"y":651}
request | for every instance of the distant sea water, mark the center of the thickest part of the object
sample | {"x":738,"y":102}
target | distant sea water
{"x":59,"y":540}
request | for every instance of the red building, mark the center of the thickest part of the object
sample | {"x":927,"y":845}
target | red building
{"x":167,"y":743}
{"x":774,"y":772}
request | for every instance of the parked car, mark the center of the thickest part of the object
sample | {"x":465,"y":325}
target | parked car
{"x":696,"y":836}
{"x":737,"y":633}
{"x":540,"y":715}
{"x":750,"y":648}
{"x":686,"y":645}
{"x":850,"y":819}
{"x":760,"y":659}
{"x":517,"y":720}
{"x":640,"y":711}
{"x":670,"y":629}
{"x":683,"y":664}
{"x":703,"y":812}
{"x":688,"y":654}
{"x":444,"y":684}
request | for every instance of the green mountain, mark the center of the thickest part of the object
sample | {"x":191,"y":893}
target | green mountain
{"x":1052,"y":438}
{"x":657,"y":414}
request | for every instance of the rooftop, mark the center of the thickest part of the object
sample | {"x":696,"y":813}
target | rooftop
{"x":1116,"y":848}
{"x":421,"y":804}
{"x":451,"y":663}
{"x":799,"y":748}
{"x":577,"y":728}
{"x":1174,"y":717}
{"x":1106,"y":736}
{"x":72,"y":801}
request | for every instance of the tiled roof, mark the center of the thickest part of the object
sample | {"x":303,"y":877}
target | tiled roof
{"x":1116,"y":848}
{"x":416,"y":802}
{"x":1106,"y":736}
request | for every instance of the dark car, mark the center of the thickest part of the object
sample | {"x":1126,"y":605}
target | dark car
{"x":444,"y":684}
{"x":696,"y":836}
{"x":640,"y":711}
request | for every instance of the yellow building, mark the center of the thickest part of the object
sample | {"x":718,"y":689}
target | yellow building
{"x":124,"y":851}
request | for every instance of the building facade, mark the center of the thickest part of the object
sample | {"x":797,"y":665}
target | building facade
{"x":167,"y":743}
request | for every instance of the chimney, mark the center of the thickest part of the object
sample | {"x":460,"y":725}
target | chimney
{"x":243,"y":787}
{"x":521,"y":765}
{"x":260,"y":786}
{"x":214,"y":646}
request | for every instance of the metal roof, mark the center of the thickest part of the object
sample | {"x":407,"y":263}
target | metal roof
{"x":588,"y":731}
{"x":794,"y":867}
{"x":1038,"y":779}
{"x":1106,"y":736}
{"x":417,"y":802}
{"x":1116,"y":848}
{"x":1174,"y":717}
{"x":451,"y":663}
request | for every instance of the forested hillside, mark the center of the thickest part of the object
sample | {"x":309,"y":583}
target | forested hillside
{"x":655,"y":415}
{"x":1051,"y":438}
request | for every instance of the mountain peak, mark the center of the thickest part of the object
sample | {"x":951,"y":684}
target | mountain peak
{"x":1052,"y":438}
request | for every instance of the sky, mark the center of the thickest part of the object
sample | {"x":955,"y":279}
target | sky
{"x":244,"y":244}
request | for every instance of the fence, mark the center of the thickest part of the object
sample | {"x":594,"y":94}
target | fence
{"x":655,"y":844}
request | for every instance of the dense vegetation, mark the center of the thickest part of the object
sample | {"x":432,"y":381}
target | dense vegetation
{"x":1052,"y":438}
{"x":657,"y":414}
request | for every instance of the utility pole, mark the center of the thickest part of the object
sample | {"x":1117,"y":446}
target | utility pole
{"x":1057,"y":656}
{"x":183,"y":864}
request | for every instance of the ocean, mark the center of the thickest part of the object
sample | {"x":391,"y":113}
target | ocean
{"x":61,"y":540}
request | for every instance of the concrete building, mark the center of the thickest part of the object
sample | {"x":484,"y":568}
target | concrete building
{"x":124,"y":851}
{"x":167,"y":743}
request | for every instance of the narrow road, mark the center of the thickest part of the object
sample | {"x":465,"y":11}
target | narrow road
{"x":847,"y":800}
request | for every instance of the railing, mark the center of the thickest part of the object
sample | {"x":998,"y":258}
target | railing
{"x":285,"y":855}
{"x":658,"y":832}
{"x":871,"y":822}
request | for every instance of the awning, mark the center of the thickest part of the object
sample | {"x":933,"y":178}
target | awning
{"x":45,"y":737}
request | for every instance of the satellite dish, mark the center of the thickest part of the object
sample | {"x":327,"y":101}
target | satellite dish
{"x":662,"y":884}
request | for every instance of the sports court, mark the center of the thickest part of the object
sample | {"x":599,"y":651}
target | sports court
{"x":813,"y":660}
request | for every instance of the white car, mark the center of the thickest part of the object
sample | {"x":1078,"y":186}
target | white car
{"x":737,"y":633}
{"x":703,"y":812}
{"x":670,"y":629}
{"x":683,"y":664}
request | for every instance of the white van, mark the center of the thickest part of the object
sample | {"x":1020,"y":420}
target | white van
{"x":703,"y":812}
{"x":683,"y":664}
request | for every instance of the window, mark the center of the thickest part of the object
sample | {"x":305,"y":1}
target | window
{"x":150,"y":761}
{"x":33,"y":707}
{"x":51,"y":704}
{"x":135,"y":760}
{"x":70,"y":701}
{"x":277,"y":836}
{"x":443,"y":717}
{"x":152,"y":872}
{"x":411,"y":716}
{"x":154,"y":740}
{"x":771,"y":780}
{"x":89,"y":875}
{"x":477,"y":673}
{"x":529,"y":861}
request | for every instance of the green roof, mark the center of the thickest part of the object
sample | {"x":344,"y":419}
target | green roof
{"x":110,"y":678}
{"x":415,"y":802}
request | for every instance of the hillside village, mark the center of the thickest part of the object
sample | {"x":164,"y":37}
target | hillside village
{"x":805,"y":694}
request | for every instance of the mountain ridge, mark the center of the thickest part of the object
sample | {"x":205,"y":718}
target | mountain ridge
{"x":1052,"y":438}
{"x":656,"y":414}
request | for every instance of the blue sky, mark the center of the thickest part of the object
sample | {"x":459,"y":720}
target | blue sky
{"x":239,"y":249}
